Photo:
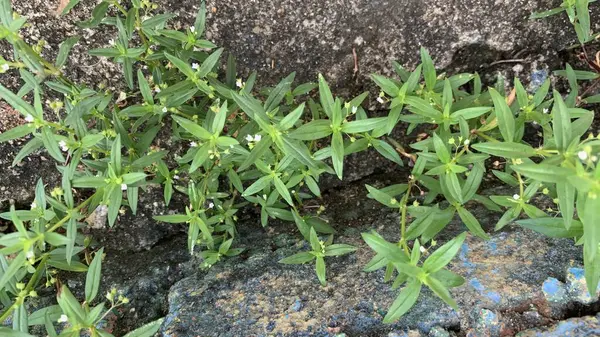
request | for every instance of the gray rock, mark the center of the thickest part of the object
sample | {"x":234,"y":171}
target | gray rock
{"x":573,"y":327}
{"x":17,"y":183}
{"x":254,"y":295}
{"x":133,"y":233}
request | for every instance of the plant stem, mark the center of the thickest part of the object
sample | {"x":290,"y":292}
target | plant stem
{"x":403,"y":204}
{"x":484,"y":136}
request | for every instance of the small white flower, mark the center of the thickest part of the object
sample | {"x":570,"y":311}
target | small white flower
{"x":545,"y":110}
{"x":211,"y":205}
{"x":164,"y":109}
{"x":29,"y":118}
{"x":4,"y":67}
{"x":63,"y":146}
{"x":63,"y":319}
{"x":422,"y":249}
{"x":380,"y":100}
{"x":238,"y":83}
{"x":195,"y":66}
{"x":467,"y":142}
{"x":594,"y":158}
{"x":176,"y":177}
{"x":193,"y":144}
{"x":257,"y":138}
{"x":33,"y":205}
{"x":249,"y":138}
{"x":157,"y":89}
{"x":231,"y":146}
{"x":582,"y":155}
{"x":111,"y":42}
{"x":30,"y":255}
{"x":354,"y":109}
{"x":516,"y":197}
{"x":192,"y":29}
{"x":534,"y":123}
{"x":123,"y":187}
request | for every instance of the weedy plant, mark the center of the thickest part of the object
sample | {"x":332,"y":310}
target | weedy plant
{"x":269,"y":148}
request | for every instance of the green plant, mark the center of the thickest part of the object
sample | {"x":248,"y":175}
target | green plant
{"x":268,"y":149}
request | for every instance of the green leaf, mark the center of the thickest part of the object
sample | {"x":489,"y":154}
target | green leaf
{"x":506,"y":119}
{"x":441,"y":291}
{"x":7,"y":332}
{"x":339,"y":249}
{"x":472,"y":183}
{"x":591,"y":219}
{"x":469,"y":113}
{"x":405,"y":300}
{"x":38,"y":317}
{"x":506,"y":149}
{"x":299,"y":151}
{"x":104,"y":52}
{"x":507,"y":178}
{"x":592,"y":272}
{"x":382,"y":197}
{"x":320,"y":269}
{"x":472,"y":223}
{"x":326,"y":97}
{"x":388,"y":86}
{"x":283,"y":191}
{"x":147,"y":330}
{"x":16,"y":102}
{"x":193,"y":128}
{"x":443,"y":255}
{"x":172,"y":218}
{"x":89,"y":182}
{"x":298,"y":258}
{"x":98,"y":14}
{"x":279,"y":92}
{"x":92,"y":280}
{"x":420,"y":107}
{"x":561,"y":125}
{"x":453,"y":185}
{"x":544,"y":172}
{"x":566,"y":201}
{"x":70,"y":306}
{"x":440,"y":149}
{"x":363,"y":125}
{"x":290,"y":119}
{"x":428,"y":69}
{"x":184,"y":67}
{"x":312,"y":130}
{"x":337,"y":154}
{"x":65,"y":47}
{"x":258,"y":185}
{"x":390,"y":251}
{"x":448,"y":279}
{"x":387,"y":151}
{"x":544,"y":14}
{"x":209,"y":63}
{"x":17,"y":132}
{"x":13,"y":268}
{"x":583,"y":18}
{"x":553,"y":227}
{"x":256,"y":153}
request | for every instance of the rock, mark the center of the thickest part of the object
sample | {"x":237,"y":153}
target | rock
{"x":140,"y":231}
{"x":278,"y":37}
{"x":254,"y":295}
{"x":573,"y":327}
{"x":17,"y":183}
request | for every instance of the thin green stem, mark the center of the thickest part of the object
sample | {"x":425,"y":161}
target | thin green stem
{"x":403,"y":205}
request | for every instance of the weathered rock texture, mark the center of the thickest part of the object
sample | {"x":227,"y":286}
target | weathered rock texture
{"x":512,"y":284}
